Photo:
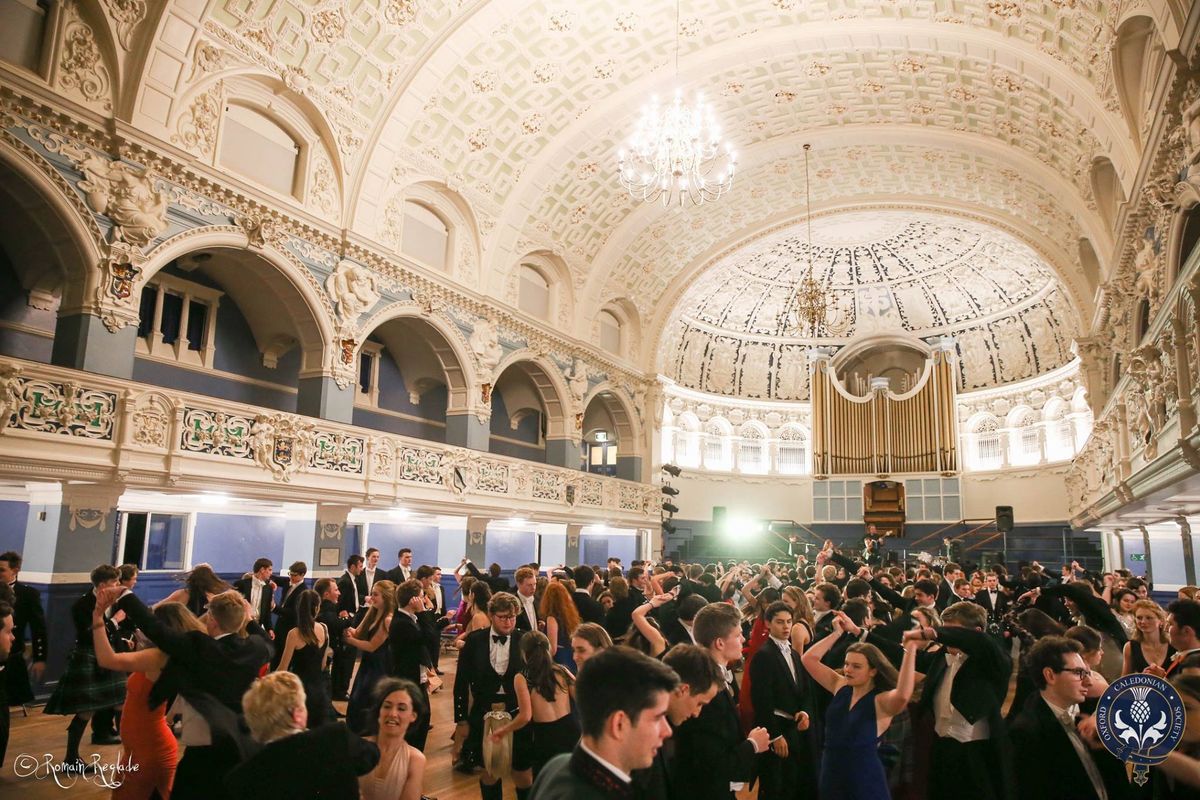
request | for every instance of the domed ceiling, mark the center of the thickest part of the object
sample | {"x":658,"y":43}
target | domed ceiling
{"x":900,"y":272}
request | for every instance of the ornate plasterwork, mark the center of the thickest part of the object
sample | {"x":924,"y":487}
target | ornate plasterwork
{"x":893,"y":273}
{"x":645,"y":261}
{"x":125,"y":15}
{"x":82,"y":71}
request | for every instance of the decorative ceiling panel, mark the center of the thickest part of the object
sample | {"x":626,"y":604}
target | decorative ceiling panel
{"x":893,"y":272}
{"x":645,"y":267}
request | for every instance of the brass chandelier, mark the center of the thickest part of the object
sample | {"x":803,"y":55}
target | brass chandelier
{"x":814,"y":313}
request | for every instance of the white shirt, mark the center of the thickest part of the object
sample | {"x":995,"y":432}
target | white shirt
{"x":370,"y":573}
{"x":786,"y":647}
{"x":256,"y":589}
{"x":406,"y":572}
{"x":530,"y":611}
{"x":439,"y":601}
{"x":950,"y":722}
{"x":622,"y":776}
{"x":498,"y":653}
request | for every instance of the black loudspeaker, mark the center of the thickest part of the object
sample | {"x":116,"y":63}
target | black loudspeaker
{"x":1004,"y":518}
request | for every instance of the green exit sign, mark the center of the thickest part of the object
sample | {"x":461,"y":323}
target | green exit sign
{"x":1137,"y":556}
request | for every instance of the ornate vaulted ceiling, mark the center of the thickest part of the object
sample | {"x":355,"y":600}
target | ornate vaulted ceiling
{"x":993,"y":110}
{"x":889,"y":272}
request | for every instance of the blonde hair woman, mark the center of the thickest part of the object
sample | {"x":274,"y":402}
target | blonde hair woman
{"x":1148,"y":647}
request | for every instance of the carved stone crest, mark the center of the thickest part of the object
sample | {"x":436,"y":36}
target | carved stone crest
{"x":281,"y":444}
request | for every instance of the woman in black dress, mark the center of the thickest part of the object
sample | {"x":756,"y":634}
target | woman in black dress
{"x":1149,"y":642}
{"x":305,"y":653}
{"x":544,"y":690}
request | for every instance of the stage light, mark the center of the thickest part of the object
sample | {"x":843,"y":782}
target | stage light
{"x":670,"y":507}
{"x":667,"y":526}
{"x":742,"y":527}
{"x":672,"y":470}
{"x":670,"y":491}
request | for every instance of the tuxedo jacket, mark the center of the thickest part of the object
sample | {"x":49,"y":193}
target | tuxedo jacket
{"x":406,"y":641}
{"x":658,"y":781}
{"x":28,"y":614}
{"x":476,"y":684}
{"x":396,"y":575}
{"x":996,"y":610}
{"x":285,"y":610}
{"x":524,"y":623}
{"x":201,"y":667}
{"x":266,"y":600}
{"x":589,"y":609}
{"x":1047,"y":766}
{"x":772,"y":688}
{"x":350,"y":587}
{"x":328,"y":615}
{"x":620,"y":616}
{"x":341,"y":755}
{"x":712,"y":751}
{"x":578,"y":776}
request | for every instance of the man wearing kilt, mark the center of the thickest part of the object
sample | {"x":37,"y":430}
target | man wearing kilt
{"x":86,"y":688}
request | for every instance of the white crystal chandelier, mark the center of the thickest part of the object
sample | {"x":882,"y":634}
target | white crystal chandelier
{"x":676,"y":151}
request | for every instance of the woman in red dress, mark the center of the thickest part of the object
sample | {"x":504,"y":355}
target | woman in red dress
{"x":758,"y":635}
{"x":146,"y":738}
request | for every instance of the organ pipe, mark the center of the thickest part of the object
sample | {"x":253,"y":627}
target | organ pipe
{"x":884,"y":433}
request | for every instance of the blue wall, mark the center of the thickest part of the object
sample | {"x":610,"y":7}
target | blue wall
{"x":510,"y":549}
{"x":525,"y":442}
{"x":421,"y":538}
{"x":231,"y":543}
{"x":15,"y":308}
{"x":14,"y":516}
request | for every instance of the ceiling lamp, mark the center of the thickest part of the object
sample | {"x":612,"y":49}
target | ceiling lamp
{"x":676,"y":151}
{"x":815,"y":313}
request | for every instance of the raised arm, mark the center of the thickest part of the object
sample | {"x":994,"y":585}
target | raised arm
{"x":173,"y":644}
{"x":372,"y":644}
{"x":829,"y":679}
{"x":895,"y":701}
{"x":658,"y":643}
{"x":139,"y":661}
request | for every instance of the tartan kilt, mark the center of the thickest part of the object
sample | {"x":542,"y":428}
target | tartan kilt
{"x":86,"y":686}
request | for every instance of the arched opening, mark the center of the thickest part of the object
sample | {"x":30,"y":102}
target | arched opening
{"x":1107,"y":189}
{"x":1189,"y":237}
{"x":1090,"y":264}
{"x":230,"y":324}
{"x":44,"y":261}
{"x":752,"y":457}
{"x":791,"y":454}
{"x":425,"y":236}
{"x":610,"y":332}
{"x":1137,"y":56}
{"x":1143,"y":318}
{"x":533,"y":296}
{"x":986,"y":445}
{"x":409,"y":378}
{"x":527,"y":411}
{"x":899,"y":362}
{"x":258,"y":148}
{"x":615,"y":450}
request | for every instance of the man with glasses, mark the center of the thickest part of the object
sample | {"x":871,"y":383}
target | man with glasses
{"x":489,"y":661}
{"x":1052,"y":761}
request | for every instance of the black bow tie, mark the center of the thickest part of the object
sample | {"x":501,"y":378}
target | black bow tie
{"x":499,"y":638}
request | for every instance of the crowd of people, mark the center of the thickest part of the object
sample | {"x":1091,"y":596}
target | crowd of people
{"x":843,"y":677}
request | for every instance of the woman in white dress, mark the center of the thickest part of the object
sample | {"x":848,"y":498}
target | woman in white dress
{"x":401,"y":768}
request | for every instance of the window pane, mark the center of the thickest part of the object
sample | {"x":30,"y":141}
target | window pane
{"x":197,"y":317}
{"x":534,"y":295}
{"x":821,"y":489}
{"x":932,"y":486}
{"x":854,"y":508}
{"x":820,"y":509}
{"x":837,"y":508}
{"x":172,"y":315}
{"x":915,"y":509}
{"x":951,"y":508}
{"x":164,"y":542}
{"x":365,"y":364}
{"x":146,"y":310}
{"x":425,"y":236}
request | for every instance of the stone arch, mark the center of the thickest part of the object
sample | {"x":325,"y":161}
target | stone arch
{"x":620,"y":409}
{"x":558,"y":275}
{"x":1184,"y":236}
{"x":1137,"y":56}
{"x":549,"y":388}
{"x":463,"y":246}
{"x":630,"y":320}
{"x":1090,"y":262}
{"x":57,"y":234}
{"x":1106,"y":188}
{"x":444,"y":345}
{"x":284,"y":285}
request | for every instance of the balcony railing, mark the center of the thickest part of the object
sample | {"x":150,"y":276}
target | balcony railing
{"x":62,"y":424}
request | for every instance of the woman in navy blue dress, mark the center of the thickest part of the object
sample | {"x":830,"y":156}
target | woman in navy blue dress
{"x":867,"y":693}
{"x":371,"y":638}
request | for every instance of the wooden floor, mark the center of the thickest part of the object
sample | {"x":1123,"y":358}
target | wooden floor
{"x":44,"y":736}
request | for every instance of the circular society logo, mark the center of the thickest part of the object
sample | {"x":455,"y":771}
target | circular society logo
{"x":1140,"y":720}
